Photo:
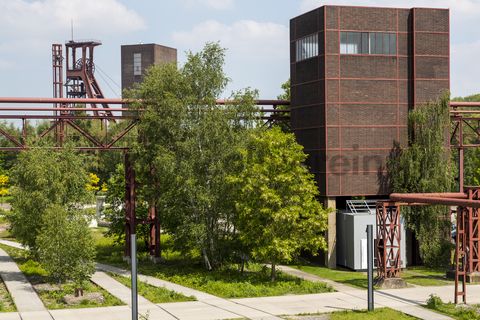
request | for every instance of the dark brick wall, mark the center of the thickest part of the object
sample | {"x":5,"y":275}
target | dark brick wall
{"x":151,"y":54}
{"x":349,"y":110}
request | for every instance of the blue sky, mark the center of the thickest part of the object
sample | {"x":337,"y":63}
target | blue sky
{"x":254,"y":32}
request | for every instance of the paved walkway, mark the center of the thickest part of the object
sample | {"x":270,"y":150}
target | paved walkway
{"x":311,"y":277}
{"x":217,"y":308}
{"x":209,"y":307}
{"x":24,"y":296}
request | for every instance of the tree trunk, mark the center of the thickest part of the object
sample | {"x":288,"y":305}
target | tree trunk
{"x":273,"y":273}
{"x":78,"y":292}
{"x":206,"y":260}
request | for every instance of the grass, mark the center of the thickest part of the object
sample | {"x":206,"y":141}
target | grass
{"x":462,"y":312}
{"x":6,"y":302}
{"x":420,"y":276}
{"x":378,"y":314}
{"x":351,"y":278}
{"x":226,"y":282}
{"x":54,"y":299}
{"x":152,"y":293}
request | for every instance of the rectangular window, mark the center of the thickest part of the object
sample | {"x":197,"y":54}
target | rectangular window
{"x":364,"y":43}
{"x":343,"y":42}
{"x":306,"y":47}
{"x":379,"y":43}
{"x":372,"y":48}
{"x":393,"y":43}
{"x":137,"y":64}
{"x":386,"y":43}
{"x":368,"y":43}
{"x":354,"y":42}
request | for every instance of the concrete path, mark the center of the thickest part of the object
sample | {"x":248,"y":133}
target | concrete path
{"x":217,"y":307}
{"x":12,"y":244}
{"x":398,"y":299}
{"x":124,"y":293}
{"x":24,"y":296}
{"x":311,"y":277}
{"x":209,"y":307}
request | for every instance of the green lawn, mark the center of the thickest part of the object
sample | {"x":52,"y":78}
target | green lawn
{"x":377,"y":314}
{"x":226,"y":282}
{"x":352,"y":278}
{"x":54,"y":299}
{"x":420,"y":276}
{"x":6,"y":302}
{"x":152,"y":293}
{"x":461,"y":312}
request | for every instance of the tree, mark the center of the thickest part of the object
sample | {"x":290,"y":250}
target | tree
{"x":278,"y":214}
{"x":185,"y":148}
{"x":115,"y":212}
{"x":426,"y":166}
{"x":284,"y":96}
{"x":65,"y":246}
{"x":41,"y":178}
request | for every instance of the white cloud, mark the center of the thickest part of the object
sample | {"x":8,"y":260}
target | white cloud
{"x":52,"y":18}
{"x":257,"y":52}
{"x":465,"y":69}
{"x":253,"y":38}
{"x":214,"y":4}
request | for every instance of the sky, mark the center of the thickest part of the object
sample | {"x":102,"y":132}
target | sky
{"x":255,"y":33}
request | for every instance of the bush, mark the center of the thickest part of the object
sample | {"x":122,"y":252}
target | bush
{"x":434,"y":302}
{"x":65,"y":246}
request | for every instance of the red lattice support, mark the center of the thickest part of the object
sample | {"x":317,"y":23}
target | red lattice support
{"x":461,"y":254}
{"x":473,"y":234}
{"x":388,"y":240}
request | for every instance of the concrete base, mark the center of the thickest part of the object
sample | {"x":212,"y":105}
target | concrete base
{"x":473,"y":277}
{"x":156,"y":260}
{"x":126,"y":259}
{"x":391,"y":283}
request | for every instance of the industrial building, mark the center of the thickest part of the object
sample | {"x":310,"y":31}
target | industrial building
{"x":137,"y":58}
{"x":355,"y":73}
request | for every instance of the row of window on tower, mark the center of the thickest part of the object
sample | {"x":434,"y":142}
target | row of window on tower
{"x":368,"y":43}
{"x":350,"y":43}
{"x":307,"y":47}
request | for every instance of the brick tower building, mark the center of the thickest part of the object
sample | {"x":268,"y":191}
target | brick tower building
{"x":355,"y":73}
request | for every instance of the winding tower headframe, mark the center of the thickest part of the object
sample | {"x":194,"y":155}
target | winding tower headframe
{"x":80,"y":71}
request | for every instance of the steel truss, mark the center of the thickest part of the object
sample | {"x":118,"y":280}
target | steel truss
{"x":465,"y":125}
{"x":63,"y":118}
{"x":388,"y":239}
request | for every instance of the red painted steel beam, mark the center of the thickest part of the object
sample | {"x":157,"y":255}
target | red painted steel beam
{"x":64,"y":117}
{"x":457,"y":104}
{"x":66,"y":109}
{"x":16,"y":149}
{"x":62,"y":100}
{"x":459,"y":195}
{"x":260,"y":102}
{"x":409,"y":198}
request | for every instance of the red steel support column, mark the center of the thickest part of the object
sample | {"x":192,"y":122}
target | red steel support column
{"x":460,"y":154}
{"x":154,"y":231}
{"x":130,"y":218}
{"x":388,"y":239}
{"x":473,"y":237}
{"x":461,"y":256}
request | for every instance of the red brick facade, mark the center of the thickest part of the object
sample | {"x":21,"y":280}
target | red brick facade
{"x":349,"y":109}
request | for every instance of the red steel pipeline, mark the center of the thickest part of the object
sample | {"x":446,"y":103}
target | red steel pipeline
{"x":409,"y":198}
{"x":117,"y":101}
